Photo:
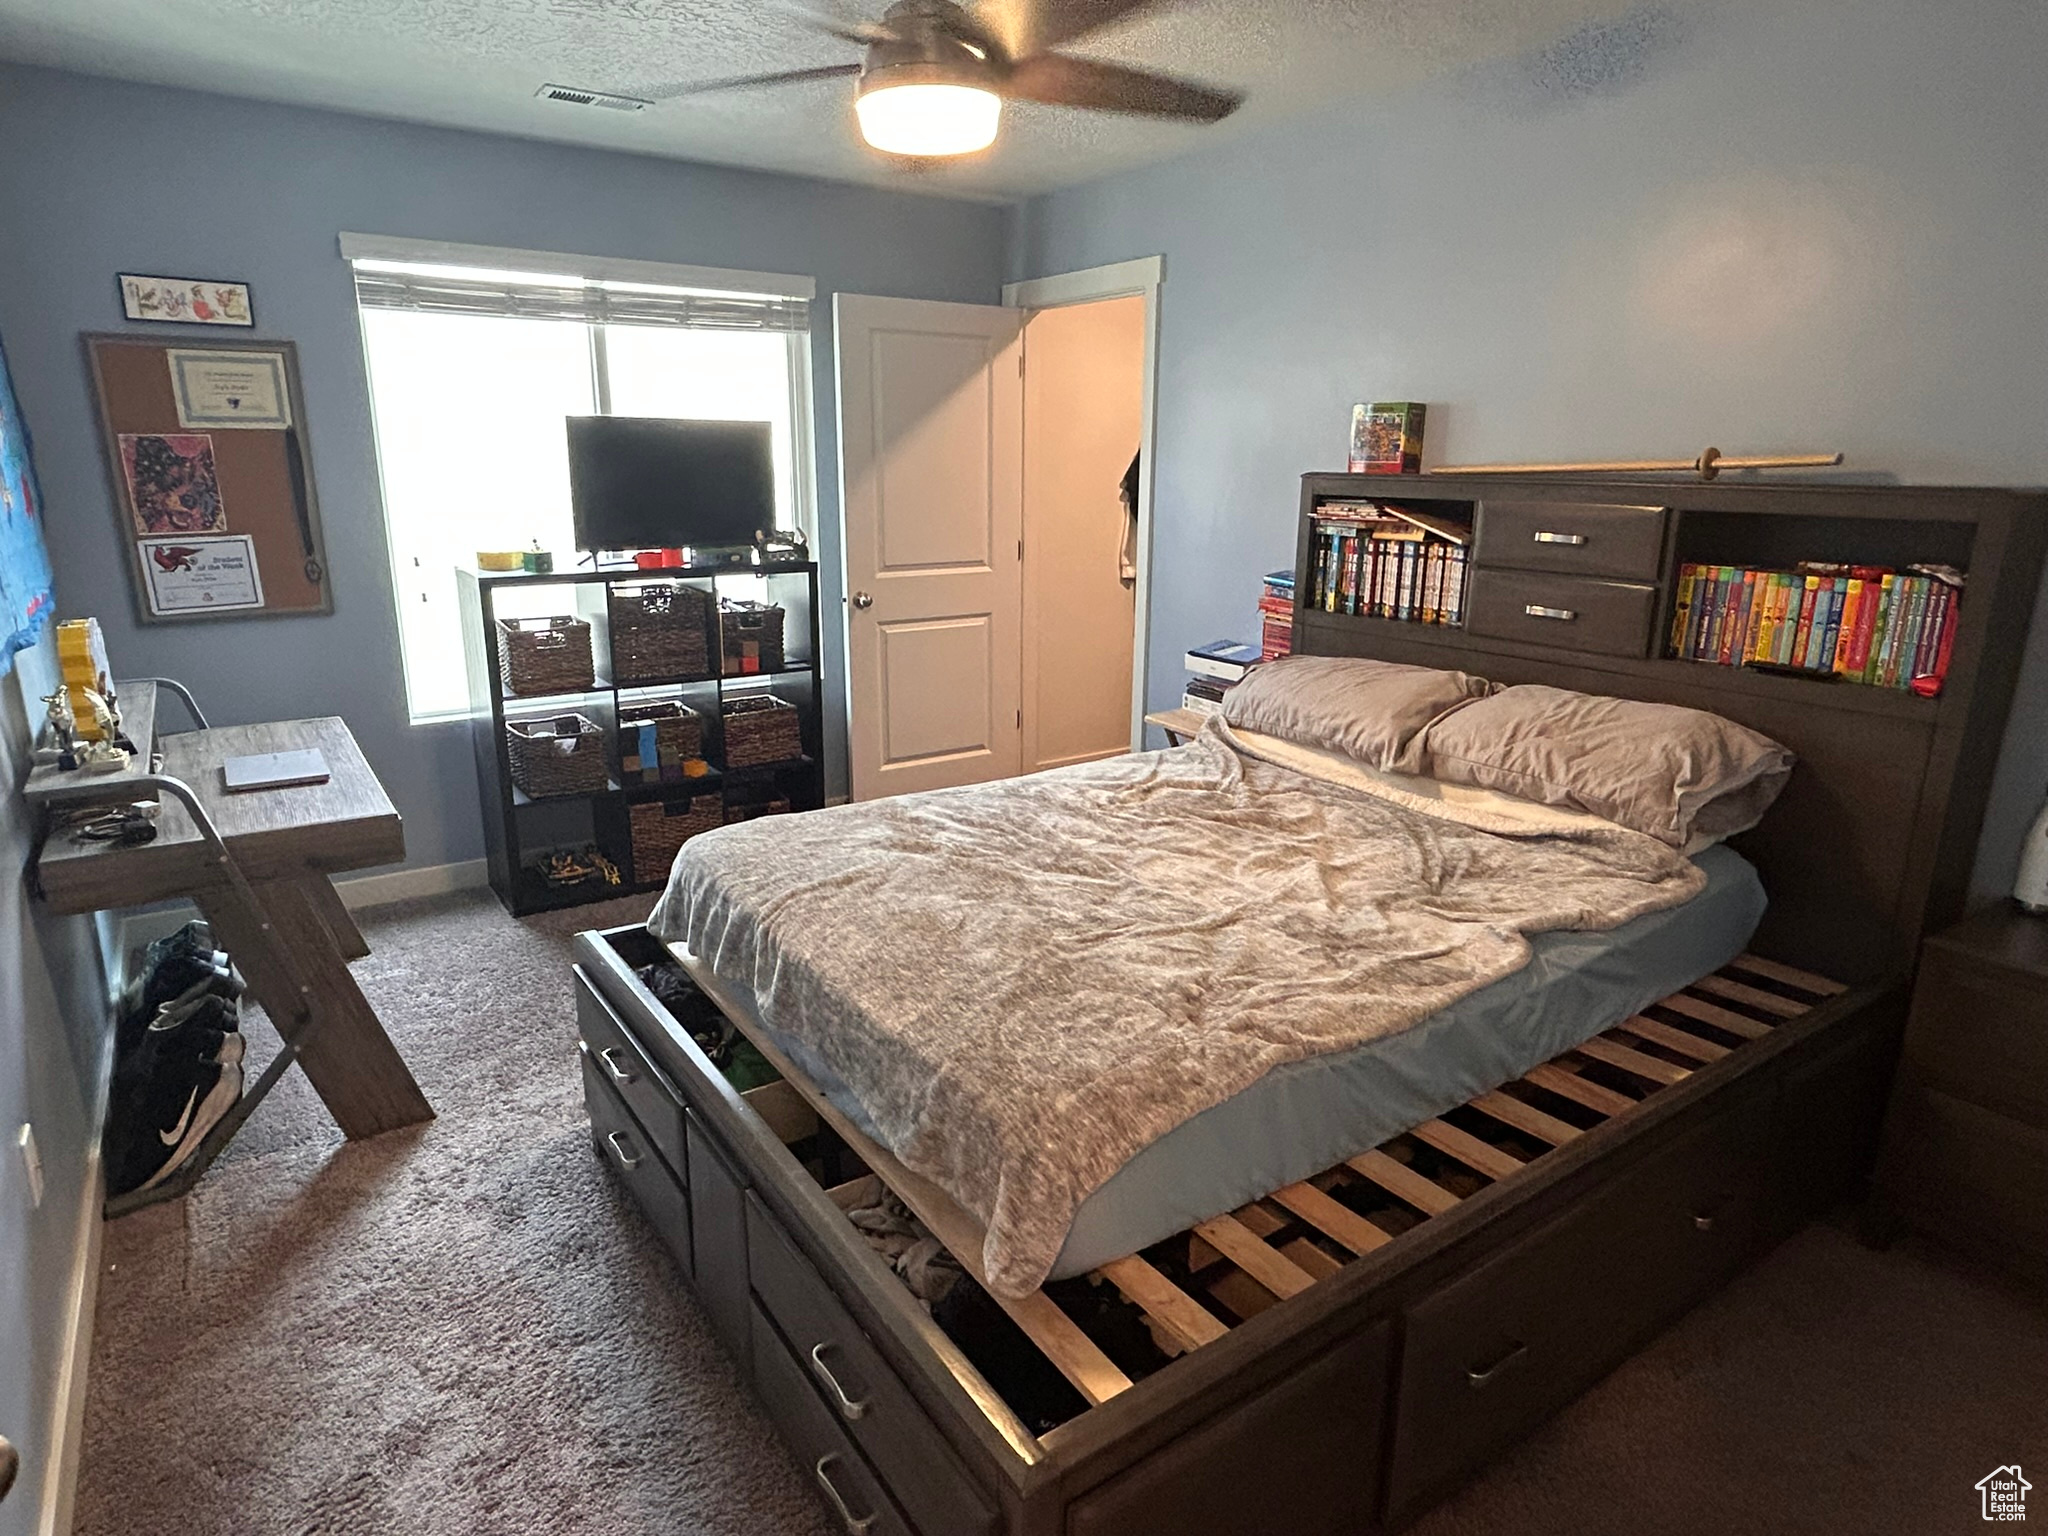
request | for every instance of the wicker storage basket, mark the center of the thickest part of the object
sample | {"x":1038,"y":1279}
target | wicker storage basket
{"x":559,"y":756}
{"x":760,"y":730}
{"x":660,"y":829}
{"x":545,"y":656}
{"x":678,"y":734}
{"x":747,"y":812}
{"x":660,"y":630}
{"x":750,"y":636}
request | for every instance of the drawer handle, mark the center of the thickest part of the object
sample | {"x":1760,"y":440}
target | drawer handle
{"x":1559,"y":538}
{"x":1703,"y":1223}
{"x":856,"y":1525}
{"x":619,"y":1074}
{"x":622,"y":1149}
{"x":849,"y":1409}
{"x":1538,"y":611}
{"x":1477,"y":1380}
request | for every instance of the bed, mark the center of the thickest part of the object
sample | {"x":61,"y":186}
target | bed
{"x":1680,"y":1087}
{"x":1047,"y":940}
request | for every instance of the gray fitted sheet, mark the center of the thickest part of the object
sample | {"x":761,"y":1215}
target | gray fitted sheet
{"x":1308,"y":1115}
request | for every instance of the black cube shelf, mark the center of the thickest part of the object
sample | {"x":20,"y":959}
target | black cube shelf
{"x":521,"y":831}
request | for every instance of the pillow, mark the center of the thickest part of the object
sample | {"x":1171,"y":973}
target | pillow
{"x":1374,"y":711}
{"x":1677,"y":774}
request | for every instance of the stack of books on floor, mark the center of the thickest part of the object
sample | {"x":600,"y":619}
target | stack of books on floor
{"x":1861,"y":623}
{"x":1389,"y":560}
{"x":1276,"y":616}
{"x":1212,"y":668}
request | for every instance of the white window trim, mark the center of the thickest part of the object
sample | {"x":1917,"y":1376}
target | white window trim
{"x":598,"y":269}
{"x":616,"y":269}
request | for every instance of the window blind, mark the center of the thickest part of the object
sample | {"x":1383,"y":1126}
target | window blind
{"x":587,"y":303}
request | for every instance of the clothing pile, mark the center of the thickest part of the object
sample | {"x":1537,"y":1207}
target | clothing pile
{"x":177,"y":1058}
{"x":888,"y":1227}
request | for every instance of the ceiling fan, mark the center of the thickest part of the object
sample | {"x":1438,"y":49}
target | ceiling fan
{"x":936,"y":74}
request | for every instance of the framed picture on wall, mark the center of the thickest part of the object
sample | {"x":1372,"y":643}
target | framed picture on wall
{"x":185,"y":300}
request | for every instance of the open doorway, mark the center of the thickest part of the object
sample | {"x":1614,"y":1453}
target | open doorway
{"x":1083,"y":420}
{"x":960,"y":666}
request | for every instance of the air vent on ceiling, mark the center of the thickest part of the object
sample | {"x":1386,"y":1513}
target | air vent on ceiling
{"x":582,"y":98}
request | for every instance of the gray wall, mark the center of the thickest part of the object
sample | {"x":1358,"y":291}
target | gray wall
{"x":1761,"y":226}
{"x":99,"y":177}
{"x":53,"y":1036}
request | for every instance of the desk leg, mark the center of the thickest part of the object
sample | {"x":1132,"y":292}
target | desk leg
{"x":334,"y":913}
{"x":347,"y":1056}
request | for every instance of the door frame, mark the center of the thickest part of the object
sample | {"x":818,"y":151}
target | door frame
{"x":1142,"y":277}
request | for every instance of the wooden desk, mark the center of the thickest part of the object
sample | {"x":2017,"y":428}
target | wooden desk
{"x":1179,"y":724}
{"x":287,"y":843}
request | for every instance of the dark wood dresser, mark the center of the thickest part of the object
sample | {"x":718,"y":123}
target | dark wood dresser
{"x":1966,"y":1148}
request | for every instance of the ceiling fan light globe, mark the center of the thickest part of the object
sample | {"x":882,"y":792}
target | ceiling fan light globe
{"x":929,"y":119}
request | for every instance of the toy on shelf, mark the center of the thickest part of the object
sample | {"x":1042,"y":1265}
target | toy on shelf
{"x":82,"y":662}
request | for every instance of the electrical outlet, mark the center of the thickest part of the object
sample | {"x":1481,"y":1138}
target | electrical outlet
{"x":32,"y":1157}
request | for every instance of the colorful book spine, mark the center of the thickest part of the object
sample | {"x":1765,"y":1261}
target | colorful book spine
{"x":1881,"y":632}
{"x":1845,"y":632}
{"x":1681,"y":606}
{"x":1835,"y":591}
{"x":1754,"y":585}
{"x":1802,"y":635}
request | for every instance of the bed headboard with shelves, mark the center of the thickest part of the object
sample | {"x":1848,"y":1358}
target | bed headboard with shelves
{"x":1574,"y":582}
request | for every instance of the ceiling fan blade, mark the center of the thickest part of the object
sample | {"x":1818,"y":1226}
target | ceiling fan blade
{"x":741,"y":82}
{"x":862,"y":32}
{"x":1064,"y":81}
{"x":1026,"y":27}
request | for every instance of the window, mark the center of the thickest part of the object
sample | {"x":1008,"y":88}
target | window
{"x":472,"y":369}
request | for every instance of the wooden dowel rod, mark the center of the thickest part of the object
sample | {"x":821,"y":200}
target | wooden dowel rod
{"x":1707,"y":465}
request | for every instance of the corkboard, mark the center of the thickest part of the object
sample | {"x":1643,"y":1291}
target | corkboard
{"x":194,"y":501}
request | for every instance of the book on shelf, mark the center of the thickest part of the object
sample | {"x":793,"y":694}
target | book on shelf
{"x":1866,"y":624}
{"x":1276,"y":638}
{"x":1229,"y":660}
{"x":1375,"y":560}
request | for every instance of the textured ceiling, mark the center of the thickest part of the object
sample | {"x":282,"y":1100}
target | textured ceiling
{"x":476,"y":64}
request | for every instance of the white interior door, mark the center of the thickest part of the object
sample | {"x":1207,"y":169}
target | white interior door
{"x":931,"y":494}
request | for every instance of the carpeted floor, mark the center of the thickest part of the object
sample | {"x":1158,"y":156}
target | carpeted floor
{"x":464,"y":1329}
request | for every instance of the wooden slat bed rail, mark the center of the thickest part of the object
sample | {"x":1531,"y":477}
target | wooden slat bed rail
{"x":1238,"y":1263}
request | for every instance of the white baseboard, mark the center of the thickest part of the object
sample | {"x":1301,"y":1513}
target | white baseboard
{"x":361,"y":891}
{"x":67,"y":1409}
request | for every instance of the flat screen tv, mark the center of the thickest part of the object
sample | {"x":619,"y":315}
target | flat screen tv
{"x":653,"y":482}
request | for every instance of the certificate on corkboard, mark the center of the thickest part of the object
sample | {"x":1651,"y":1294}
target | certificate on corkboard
{"x":213,"y":487}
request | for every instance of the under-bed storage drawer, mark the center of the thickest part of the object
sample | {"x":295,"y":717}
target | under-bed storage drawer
{"x":652,"y":1098}
{"x":1497,"y":1351}
{"x":622,"y":1142}
{"x":851,"y":1379}
{"x":838,"y":1471}
{"x":1301,"y":1457}
{"x":1579,"y":613}
{"x":1579,"y":539}
{"x":718,"y":1212}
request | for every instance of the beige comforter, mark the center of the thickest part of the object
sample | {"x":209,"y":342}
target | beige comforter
{"x":1023,"y":984}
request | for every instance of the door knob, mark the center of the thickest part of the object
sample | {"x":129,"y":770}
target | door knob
{"x":863,"y":600}
{"x":10,"y":1463}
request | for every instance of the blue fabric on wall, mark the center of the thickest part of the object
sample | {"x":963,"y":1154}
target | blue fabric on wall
{"x":26,"y":601}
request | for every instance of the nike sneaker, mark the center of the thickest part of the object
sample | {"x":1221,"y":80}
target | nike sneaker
{"x":185,"y":1074}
